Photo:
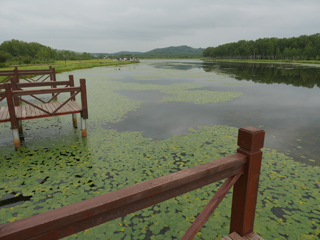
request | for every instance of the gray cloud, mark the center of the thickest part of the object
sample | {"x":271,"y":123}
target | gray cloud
{"x":142,"y":25}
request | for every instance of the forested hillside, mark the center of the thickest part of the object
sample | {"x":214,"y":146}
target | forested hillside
{"x":295,"y":48}
{"x":23,"y":52}
{"x":172,"y":52}
{"x":168,"y":52}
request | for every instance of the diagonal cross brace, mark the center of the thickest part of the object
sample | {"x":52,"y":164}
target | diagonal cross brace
{"x":209,"y":209}
{"x":65,"y":102}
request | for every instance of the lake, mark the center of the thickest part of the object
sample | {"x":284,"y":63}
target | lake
{"x":156,"y":117}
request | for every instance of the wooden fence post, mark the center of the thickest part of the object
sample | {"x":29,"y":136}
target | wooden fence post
{"x":13,"y":118}
{"x":16,"y":100}
{"x":245,"y":192}
{"x":53,"y":78}
{"x":74,"y":116}
{"x":84,"y":112}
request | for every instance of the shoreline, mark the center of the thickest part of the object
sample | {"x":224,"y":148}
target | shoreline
{"x":266,"y":61}
{"x":62,"y":67}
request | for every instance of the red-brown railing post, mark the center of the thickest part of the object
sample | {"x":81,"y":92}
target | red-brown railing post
{"x":84,"y":112}
{"x":74,"y":116}
{"x":15,"y":73}
{"x":13,"y":118}
{"x":16,"y":76}
{"x":16,"y":100}
{"x":250,"y":141}
{"x":53,"y":78}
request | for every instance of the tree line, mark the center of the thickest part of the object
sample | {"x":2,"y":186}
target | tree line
{"x":22,"y":52}
{"x":267,"y":73}
{"x":296,"y":48}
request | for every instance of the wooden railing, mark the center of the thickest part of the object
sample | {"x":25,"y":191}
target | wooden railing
{"x":32,"y":75}
{"x":2,"y":92}
{"x":17,"y":112}
{"x":241,"y":170}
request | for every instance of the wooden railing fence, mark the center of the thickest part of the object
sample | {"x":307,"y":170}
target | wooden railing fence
{"x":242,"y":171}
{"x":18,"y":92}
{"x":2,"y":92}
{"x":32,"y":75}
{"x":16,"y":111}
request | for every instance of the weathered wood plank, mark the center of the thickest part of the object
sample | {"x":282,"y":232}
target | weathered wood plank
{"x":68,"y":107}
{"x":48,"y":107}
{"x":54,"y":106}
{"x":4,"y":113}
{"x":253,"y":236}
{"x":18,"y":111}
{"x":23,"y":111}
{"x":63,"y":108}
{"x":75,"y":106}
{"x":44,"y":107}
{"x":226,"y":238}
{"x":37,"y":111}
{"x":33,"y":111}
{"x":29,"y":111}
{"x":236,"y":236}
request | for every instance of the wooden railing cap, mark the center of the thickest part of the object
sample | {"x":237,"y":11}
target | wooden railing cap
{"x":82,"y":81}
{"x":251,"y":138}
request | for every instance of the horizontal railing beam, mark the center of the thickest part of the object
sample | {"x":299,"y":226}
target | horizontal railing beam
{"x":82,"y":215}
{"x":6,"y":73}
{"x":33,"y":72}
{"x":40,"y":84}
{"x":44,"y":91}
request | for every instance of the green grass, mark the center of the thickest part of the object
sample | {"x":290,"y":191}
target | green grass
{"x":60,"y":66}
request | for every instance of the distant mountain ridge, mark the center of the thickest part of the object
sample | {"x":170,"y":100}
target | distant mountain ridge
{"x":172,"y":51}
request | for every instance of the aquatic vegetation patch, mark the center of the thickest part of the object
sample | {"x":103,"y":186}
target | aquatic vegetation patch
{"x":288,"y":203}
{"x":235,"y":84}
{"x":56,"y":171}
{"x":201,"y":96}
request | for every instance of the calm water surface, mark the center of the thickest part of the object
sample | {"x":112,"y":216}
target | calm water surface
{"x":284,"y":100}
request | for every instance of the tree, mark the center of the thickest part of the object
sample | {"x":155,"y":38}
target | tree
{"x":4,"y":56}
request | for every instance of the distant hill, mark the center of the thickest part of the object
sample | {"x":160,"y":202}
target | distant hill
{"x":124,"y":52}
{"x":168,"y":52}
{"x":180,"y":51}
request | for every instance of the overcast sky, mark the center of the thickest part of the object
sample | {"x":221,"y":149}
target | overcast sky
{"x":143,"y":25}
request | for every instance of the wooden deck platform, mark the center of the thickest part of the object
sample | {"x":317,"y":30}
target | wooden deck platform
{"x":236,"y":236}
{"x":25,"y":112}
{"x":19,"y":108}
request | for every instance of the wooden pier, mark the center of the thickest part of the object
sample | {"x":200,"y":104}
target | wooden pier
{"x":241,"y":170}
{"x":15,"y":112}
{"x":32,"y":75}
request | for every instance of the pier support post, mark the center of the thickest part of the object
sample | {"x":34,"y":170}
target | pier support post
{"x":20,"y":126}
{"x":245,"y":192}
{"x":16,"y":138}
{"x":84,"y":111}
{"x":74,"y":120}
{"x":12,"y":114}
{"x":83,"y":127}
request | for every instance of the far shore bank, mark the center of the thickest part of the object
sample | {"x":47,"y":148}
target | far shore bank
{"x":272,"y":61}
